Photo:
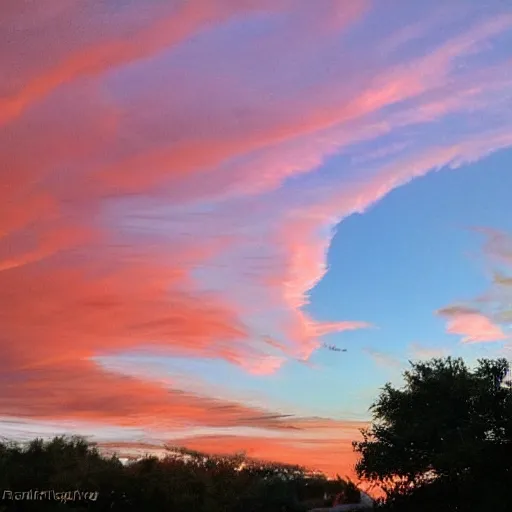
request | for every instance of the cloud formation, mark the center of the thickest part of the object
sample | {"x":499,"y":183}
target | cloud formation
{"x":487,"y":317}
{"x":472,"y":325}
{"x":171,"y":179}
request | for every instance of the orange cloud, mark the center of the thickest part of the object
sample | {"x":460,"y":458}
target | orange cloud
{"x":330,"y":456}
{"x":97,"y":309}
{"x":320,"y":444}
{"x":80,"y":390}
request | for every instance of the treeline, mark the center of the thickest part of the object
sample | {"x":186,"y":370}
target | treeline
{"x":72,"y":474}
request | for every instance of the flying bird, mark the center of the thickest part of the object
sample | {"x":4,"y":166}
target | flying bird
{"x":333,"y":348}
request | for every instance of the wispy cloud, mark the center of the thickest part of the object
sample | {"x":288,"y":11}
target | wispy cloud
{"x":419,"y":351}
{"x":487,"y":317}
{"x":384,"y":359}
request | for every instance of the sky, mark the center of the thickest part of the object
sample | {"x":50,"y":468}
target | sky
{"x":199,"y":198}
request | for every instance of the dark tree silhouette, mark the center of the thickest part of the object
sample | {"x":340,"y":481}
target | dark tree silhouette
{"x":184,"y":481}
{"x":443,"y":441}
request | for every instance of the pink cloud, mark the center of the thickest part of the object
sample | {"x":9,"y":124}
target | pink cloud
{"x":100,"y":46}
{"x":472,"y":325}
{"x":488,"y":316}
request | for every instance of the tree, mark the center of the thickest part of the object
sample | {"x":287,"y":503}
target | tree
{"x":444,"y":441}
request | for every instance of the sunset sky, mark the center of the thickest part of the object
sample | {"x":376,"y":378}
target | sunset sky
{"x":197,"y":196}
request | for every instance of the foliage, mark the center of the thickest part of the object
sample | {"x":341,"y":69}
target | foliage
{"x":184,"y":480}
{"x":443,"y":441}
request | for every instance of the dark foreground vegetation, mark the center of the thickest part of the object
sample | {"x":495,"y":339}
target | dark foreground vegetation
{"x":442,"y":442}
{"x":183,"y":481}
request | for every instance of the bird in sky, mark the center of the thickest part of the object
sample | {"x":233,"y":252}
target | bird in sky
{"x":334,"y":348}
